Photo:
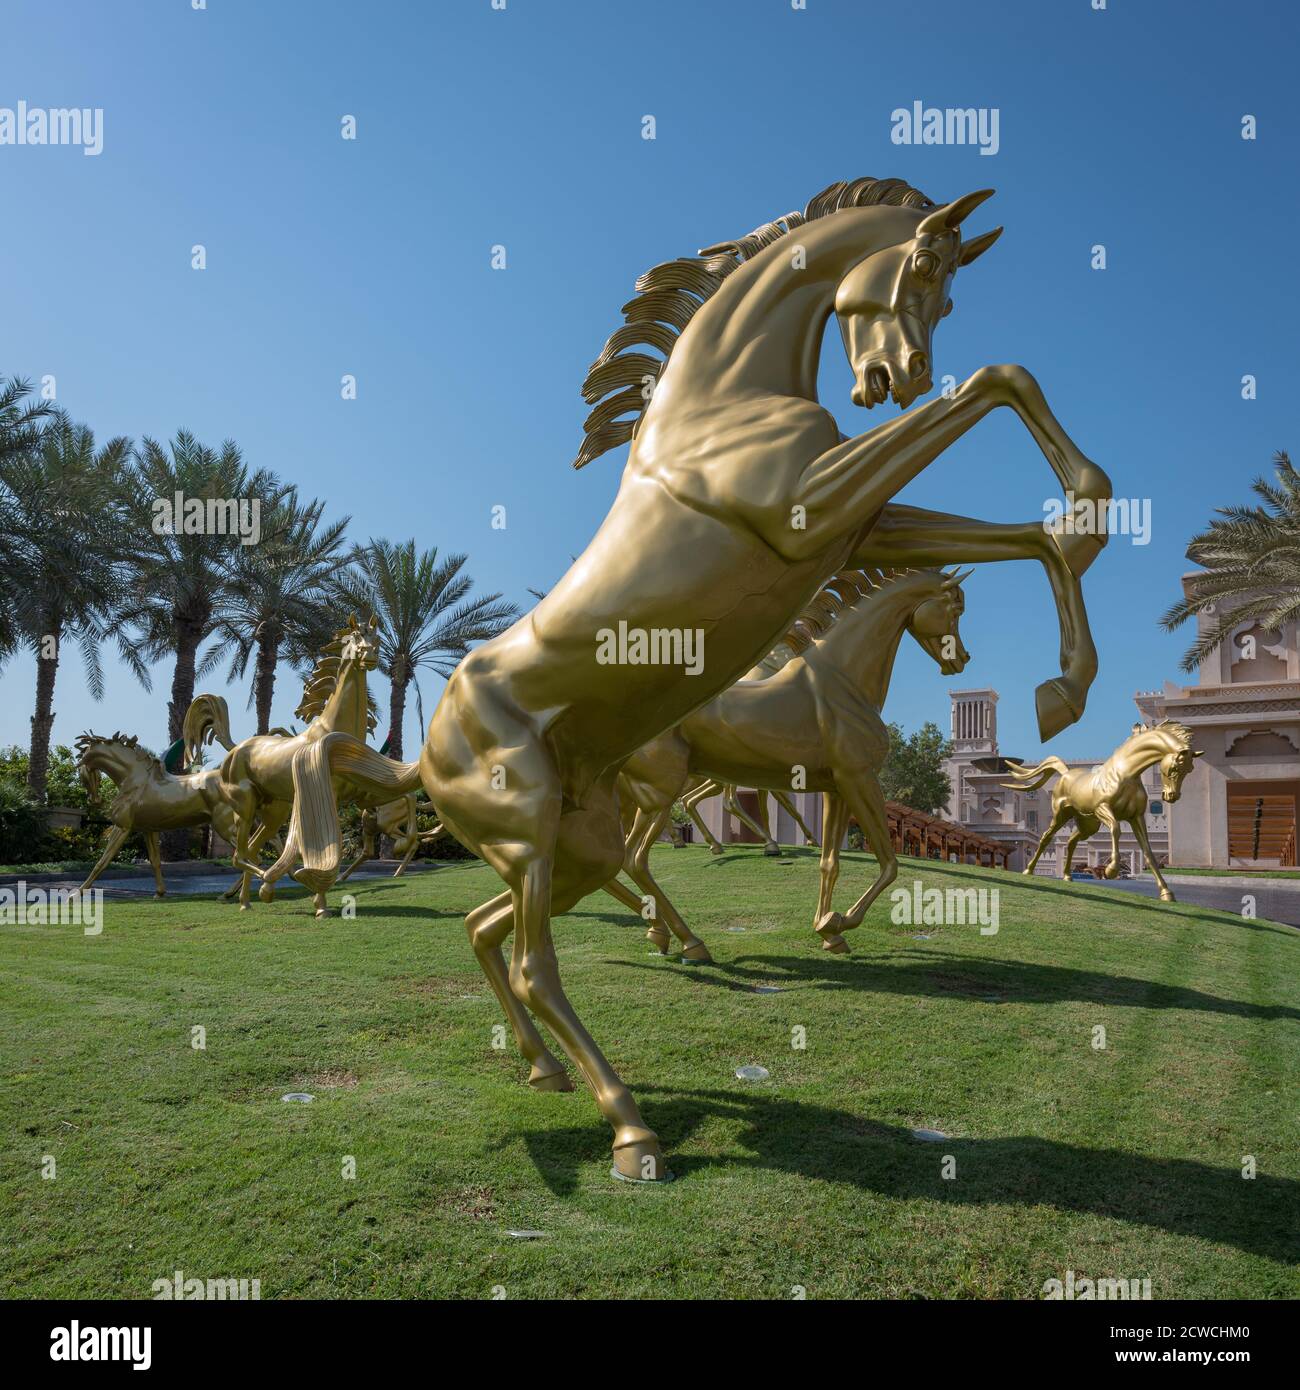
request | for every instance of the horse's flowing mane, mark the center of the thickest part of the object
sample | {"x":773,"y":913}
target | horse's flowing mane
{"x":668,"y":295}
{"x":131,"y":745}
{"x":324,"y":678}
{"x":1180,"y":733}
{"x":840,"y":593}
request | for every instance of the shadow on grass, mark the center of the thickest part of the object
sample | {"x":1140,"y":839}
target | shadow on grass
{"x":1181,"y":1196}
{"x":927,"y":974}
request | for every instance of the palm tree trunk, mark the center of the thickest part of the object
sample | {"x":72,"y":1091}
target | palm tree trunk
{"x":38,"y":762}
{"x":396,"y":714}
{"x":268,"y":653}
{"x":175,"y":844}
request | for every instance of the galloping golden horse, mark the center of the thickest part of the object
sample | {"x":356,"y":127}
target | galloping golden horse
{"x":256,"y":777}
{"x":818,"y":711}
{"x":740,"y":498}
{"x":149,"y":798}
{"x":1112,"y":792}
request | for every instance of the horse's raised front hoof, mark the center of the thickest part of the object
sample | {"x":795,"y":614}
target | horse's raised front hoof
{"x":659,"y":938}
{"x":1167,"y":897}
{"x":715,"y":849}
{"x":266,"y":892}
{"x":543,"y":1080}
{"x":1110,"y":871}
{"x":772,"y":850}
{"x":697,"y":953}
{"x":1056,"y":709}
{"x":324,"y":912}
{"x":161,"y":893}
{"x":637,"y":1155}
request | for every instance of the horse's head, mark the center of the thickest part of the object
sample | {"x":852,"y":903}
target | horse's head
{"x":889,"y":303}
{"x":361,"y":644}
{"x":89,"y":768}
{"x":936,"y":618}
{"x":1178,"y":761}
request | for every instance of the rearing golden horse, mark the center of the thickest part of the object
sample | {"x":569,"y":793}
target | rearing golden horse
{"x":739,"y":499}
{"x":1112,"y":792}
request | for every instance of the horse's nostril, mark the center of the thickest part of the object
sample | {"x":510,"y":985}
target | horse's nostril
{"x":918,"y":364}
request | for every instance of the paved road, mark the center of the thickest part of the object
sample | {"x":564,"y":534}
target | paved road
{"x":178,"y":885}
{"x":1276,"y":900}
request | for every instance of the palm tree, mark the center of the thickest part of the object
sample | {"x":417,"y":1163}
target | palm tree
{"x":277,"y":600}
{"x":20,"y":431}
{"x":68,"y":563}
{"x":21,"y":423}
{"x":180,"y":578}
{"x":426,"y":617}
{"x":1251,"y":556}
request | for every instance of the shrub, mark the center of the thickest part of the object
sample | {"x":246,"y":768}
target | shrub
{"x":23,"y":835}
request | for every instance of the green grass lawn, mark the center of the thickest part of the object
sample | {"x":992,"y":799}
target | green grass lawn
{"x":1117,"y":1162}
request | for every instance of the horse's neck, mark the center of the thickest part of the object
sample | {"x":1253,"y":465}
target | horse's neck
{"x":345,"y":710}
{"x":762,"y":330}
{"x":862,"y":644}
{"x":1135,"y":756}
{"x":124,"y":773}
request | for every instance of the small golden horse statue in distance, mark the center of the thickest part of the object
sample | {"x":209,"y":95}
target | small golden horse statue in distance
{"x":1112,"y":792}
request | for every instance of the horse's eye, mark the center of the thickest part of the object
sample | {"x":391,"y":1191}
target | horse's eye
{"x":925,"y":264}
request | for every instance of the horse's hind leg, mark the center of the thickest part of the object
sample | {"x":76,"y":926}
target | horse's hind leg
{"x":784,"y":801}
{"x":1084,"y":827}
{"x":645,"y":832}
{"x":487,"y":927}
{"x":111,"y":847}
{"x":1059,"y":818}
{"x":691,"y":803}
{"x":1111,"y":868}
{"x":588,"y":851}
{"x":151,"y":845}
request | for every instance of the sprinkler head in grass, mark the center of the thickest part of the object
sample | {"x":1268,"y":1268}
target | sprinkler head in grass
{"x":929,"y":1136}
{"x":752,"y":1073}
{"x":301,"y":1096}
{"x":526,"y":1235}
{"x":669,"y":1176}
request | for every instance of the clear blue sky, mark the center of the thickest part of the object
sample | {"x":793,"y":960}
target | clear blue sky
{"x":523,"y":127}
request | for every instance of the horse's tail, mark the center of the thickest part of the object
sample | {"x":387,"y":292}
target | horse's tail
{"x":1029,"y":779}
{"x":314,"y":825}
{"x":206,"y":719}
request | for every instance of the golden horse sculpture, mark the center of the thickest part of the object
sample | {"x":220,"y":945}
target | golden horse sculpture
{"x":397,"y":819}
{"x":256,"y":777}
{"x":1112,"y":792}
{"x":739,"y":499}
{"x":149,"y":798}
{"x":817,"y":713}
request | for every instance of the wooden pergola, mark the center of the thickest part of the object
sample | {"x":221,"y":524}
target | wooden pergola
{"x":929,"y":837}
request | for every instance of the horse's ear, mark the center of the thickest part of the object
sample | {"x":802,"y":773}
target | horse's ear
{"x":1198,"y":752}
{"x":1137,"y":728}
{"x":958,"y":576}
{"x":953,"y":214}
{"x":976,"y":246}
